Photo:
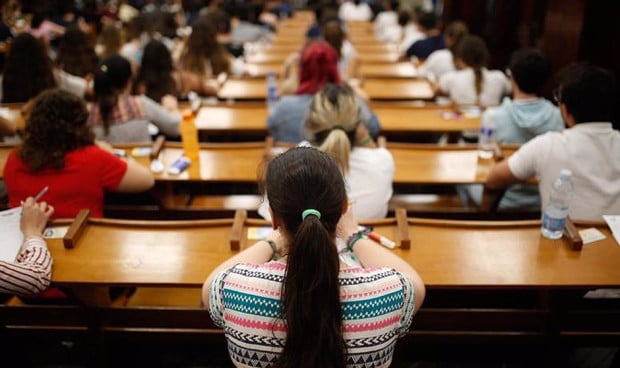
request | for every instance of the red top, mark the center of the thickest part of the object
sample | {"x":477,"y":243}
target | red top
{"x":87,"y":174}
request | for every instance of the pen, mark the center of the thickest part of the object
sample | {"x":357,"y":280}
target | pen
{"x":381,"y":240}
{"x":41,"y":193}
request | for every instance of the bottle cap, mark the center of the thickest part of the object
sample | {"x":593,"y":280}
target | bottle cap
{"x":566,"y":173}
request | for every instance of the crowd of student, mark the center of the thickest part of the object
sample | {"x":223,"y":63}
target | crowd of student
{"x":80,"y":97}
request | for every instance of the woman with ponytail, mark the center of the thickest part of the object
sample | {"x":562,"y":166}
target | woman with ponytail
{"x":318,"y":66}
{"x":117,"y":116}
{"x":288,"y":301}
{"x":472,"y":82}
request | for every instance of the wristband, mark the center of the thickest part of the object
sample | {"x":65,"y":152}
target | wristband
{"x":275,"y":256}
{"x":353,"y":238}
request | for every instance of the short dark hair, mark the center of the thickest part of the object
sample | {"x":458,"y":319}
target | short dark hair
{"x":428,"y":20}
{"x":530,"y":69}
{"x":588,"y":92}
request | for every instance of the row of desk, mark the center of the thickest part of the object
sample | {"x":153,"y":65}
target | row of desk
{"x":498,"y":283}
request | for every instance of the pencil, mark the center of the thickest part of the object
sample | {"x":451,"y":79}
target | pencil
{"x":41,"y":193}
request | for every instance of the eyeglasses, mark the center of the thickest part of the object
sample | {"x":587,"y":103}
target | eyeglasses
{"x":557,"y":95}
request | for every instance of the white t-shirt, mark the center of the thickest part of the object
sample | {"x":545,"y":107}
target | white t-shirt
{"x":437,"y":64}
{"x":368,"y":182}
{"x":384,"y":26}
{"x":349,"y":11}
{"x":460,"y":86}
{"x":591,"y":151}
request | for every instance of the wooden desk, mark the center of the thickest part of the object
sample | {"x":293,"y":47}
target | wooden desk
{"x":260,"y":70}
{"x":454,"y":254}
{"x":246,"y":89}
{"x":266,"y":56}
{"x":154,"y":253}
{"x":218,"y":162}
{"x":251,"y":118}
{"x":432,"y":164}
{"x":403,"y":69}
{"x":238,"y":119}
{"x":406,"y":119}
{"x":398,"y":89}
{"x":373,"y":57}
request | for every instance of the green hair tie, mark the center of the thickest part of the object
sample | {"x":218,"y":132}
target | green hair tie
{"x":309,"y":212}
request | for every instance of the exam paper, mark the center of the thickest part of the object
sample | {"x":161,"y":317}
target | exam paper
{"x":613,"y":221}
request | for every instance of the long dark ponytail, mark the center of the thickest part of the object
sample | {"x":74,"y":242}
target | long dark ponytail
{"x":301,"y":179}
{"x":111,"y":77}
{"x":472,"y":50}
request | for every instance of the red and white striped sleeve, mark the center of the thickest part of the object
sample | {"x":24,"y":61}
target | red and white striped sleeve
{"x":32,"y":271}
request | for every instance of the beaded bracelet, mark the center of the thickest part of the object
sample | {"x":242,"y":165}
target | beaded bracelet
{"x":274,"y":248}
{"x":353,"y":238}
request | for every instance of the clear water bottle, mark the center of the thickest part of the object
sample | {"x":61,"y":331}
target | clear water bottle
{"x":272,"y":90}
{"x":487,"y":138}
{"x":554,"y":215}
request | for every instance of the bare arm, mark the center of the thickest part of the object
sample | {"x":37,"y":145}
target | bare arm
{"x":371,"y":255}
{"x":260,"y":252}
{"x":137,"y":178}
{"x":500,"y":176}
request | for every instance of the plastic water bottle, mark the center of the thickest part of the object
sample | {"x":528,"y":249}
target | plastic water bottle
{"x":554,"y":215}
{"x":487,"y":139}
{"x":272,"y":90}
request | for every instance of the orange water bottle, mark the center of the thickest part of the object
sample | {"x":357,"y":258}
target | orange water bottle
{"x":189,"y":136}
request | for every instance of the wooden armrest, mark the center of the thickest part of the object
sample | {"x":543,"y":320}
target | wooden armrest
{"x":236,"y":235}
{"x":572,"y":235}
{"x":158,"y":145}
{"x":75,"y":230}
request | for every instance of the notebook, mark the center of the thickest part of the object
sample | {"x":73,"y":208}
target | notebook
{"x":12,"y":237}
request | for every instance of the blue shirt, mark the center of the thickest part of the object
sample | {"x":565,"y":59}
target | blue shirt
{"x":286,"y":121}
{"x":423,"y":48}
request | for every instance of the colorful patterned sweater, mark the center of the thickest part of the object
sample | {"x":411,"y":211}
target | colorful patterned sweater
{"x":377,"y":306}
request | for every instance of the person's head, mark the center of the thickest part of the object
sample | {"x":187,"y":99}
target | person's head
{"x":587,"y":93}
{"x":220,"y":20}
{"x":55,"y":126}
{"x":76,"y":55}
{"x":155,"y":74}
{"x":318,"y":66}
{"x":333,"y":33}
{"x":202,"y":46}
{"x":454,"y":33}
{"x":112,"y":78}
{"x":332,"y":121}
{"x":472,"y":52}
{"x":307,"y":196}
{"x":28,"y":70}
{"x":404,"y":17}
{"x":111,"y":40}
{"x":529,"y":69}
{"x":427,"y":21}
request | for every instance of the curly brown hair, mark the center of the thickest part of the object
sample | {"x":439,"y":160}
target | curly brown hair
{"x":202,"y":48}
{"x":56,"y":125}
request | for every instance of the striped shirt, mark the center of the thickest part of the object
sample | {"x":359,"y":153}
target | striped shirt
{"x":377,"y":308}
{"x":30,"y":273}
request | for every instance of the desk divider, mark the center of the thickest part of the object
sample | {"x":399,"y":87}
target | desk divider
{"x":157,"y":146}
{"x":572,"y":235}
{"x":237,"y":234}
{"x":402,"y":224}
{"x":75,"y":230}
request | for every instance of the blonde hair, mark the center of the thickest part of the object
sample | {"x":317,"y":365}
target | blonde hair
{"x":332,"y":122}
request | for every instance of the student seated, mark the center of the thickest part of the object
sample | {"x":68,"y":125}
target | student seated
{"x":118,"y":117}
{"x":59,"y":152}
{"x":318,"y":66}
{"x":31,"y":272}
{"x":440,"y":62}
{"x":29,"y":71}
{"x":304,"y":305}
{"x":590,"y":147}
{"x":334,"y":126}
{"x":472,"y":82}
{"x":433,"y":41}
{"x":524,"y":116}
